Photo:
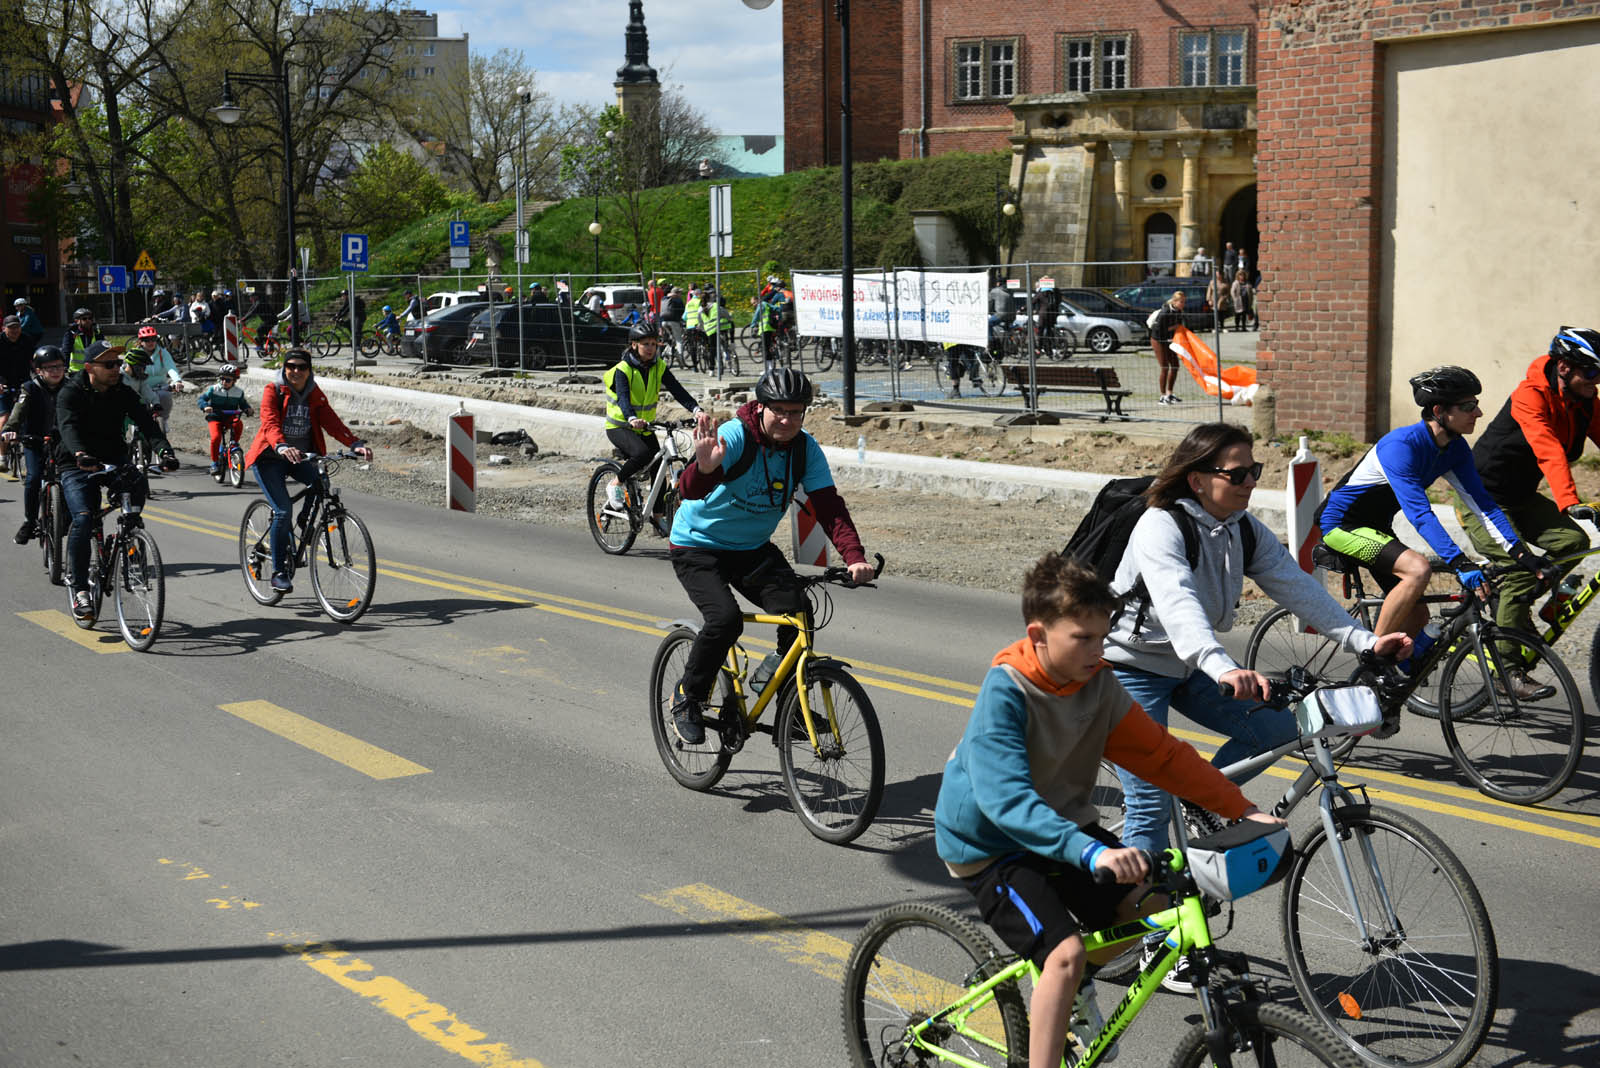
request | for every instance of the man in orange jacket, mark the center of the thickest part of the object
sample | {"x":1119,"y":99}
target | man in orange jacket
{"x":1536,"y":436}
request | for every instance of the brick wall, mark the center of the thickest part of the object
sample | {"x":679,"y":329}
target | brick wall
{"x":811,"y":82}
{"x":1319,"y":143}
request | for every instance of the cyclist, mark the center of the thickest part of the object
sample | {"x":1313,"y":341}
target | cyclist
{"x":717,"y":322}
{"x":15,"y":360}
{"x":294,"y":416}
{"x":79,"y":336}
{"x":693,"y":329}
{"x":91,"y":410}
{"x":962,"y":359}
{"x":222,"y":401}
{"x":1164,"y":647}
{"x":389,"y":326}
{"x":32,"y":328}
{"x":1014,"y":820}
{"x":1394,"y":475}
{"x":632,"y":387}
{"x":33,"y":419}
{"x":1538,"y":434}
{"x":766,"y":323}
{"x":721,"y":534}
{"x":160,"y":370}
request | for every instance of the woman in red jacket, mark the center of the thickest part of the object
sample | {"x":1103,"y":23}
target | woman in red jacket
{"x":294,"y":415}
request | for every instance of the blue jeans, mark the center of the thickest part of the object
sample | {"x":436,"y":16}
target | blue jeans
{"x":272,"y":475}
{"x":1250,"y":729}
{"x":83,"y":502}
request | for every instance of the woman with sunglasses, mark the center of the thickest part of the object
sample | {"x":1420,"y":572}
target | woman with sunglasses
{"x":1167,"y":655}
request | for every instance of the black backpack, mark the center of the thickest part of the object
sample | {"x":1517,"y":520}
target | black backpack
{"x":1104,"y":533}
{"x":797,"y":465}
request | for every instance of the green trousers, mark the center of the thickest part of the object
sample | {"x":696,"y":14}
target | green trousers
{"x":1541,"y":523}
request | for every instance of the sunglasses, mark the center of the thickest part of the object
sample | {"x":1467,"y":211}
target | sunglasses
{"x":1237,"y":475}
{"x":103,"y":363}
{"x":297,"y":367}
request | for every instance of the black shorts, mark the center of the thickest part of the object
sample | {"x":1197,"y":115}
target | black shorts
{"x":1034,"y":904}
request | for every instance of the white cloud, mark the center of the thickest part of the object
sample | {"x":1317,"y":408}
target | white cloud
{"x":727,"y":58}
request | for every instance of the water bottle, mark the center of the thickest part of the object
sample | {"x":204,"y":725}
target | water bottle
{"x":764,"y":670}
{"x":861,"y":449}
{"x":1563,"y":593}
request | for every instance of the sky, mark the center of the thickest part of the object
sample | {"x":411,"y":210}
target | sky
{"x":727,"y":58}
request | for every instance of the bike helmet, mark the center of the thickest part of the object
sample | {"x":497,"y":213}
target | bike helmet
{"x":136,"y":357}
{"x":781,"y":385}
{"x":387,"y":309}
{"x":83,"y":313}
{"x":147,"y":331}
{"x":228,"y":370}
{"x":20,"y":302}
{"x":46,"y":354}
{"x":1444,"y":385}
{"x":641,"y":330}
{"x":1578,"y":346}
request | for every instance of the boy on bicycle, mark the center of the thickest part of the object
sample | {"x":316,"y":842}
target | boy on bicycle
{"x":222,"y":401}
{"x":389,"y":326}
{"x":1014,"y":821}
{"x":632,"y":389}
{"x":33,"y":419}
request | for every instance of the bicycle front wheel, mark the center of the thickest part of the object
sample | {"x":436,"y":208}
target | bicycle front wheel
{"x":1262,"y":1033}
{"x":235,"y":465}
{"x":613,"y":529}
{"x":53,"y":534}
{"x":255,"y":553}
{"x":1515,"y":724}
{"x":696,"y":766}
{"x":1416,"y":982}
{"x":837,"y":785}
{"x":908,"y":967}
{"x":141,"y":591}
{"x":344,"y":568}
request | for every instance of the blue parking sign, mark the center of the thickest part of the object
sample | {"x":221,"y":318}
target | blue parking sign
{"x":113,"y":279}
{"x":36,"y":265}
{"x":458,"y":234}
{"x":353,"y":252}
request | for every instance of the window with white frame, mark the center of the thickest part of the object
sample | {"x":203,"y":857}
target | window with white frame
{"x":1213,"y":57}
{"x":1078,"y":54}
{"x":1003,"y":68}
{"x":427,"y":50}
{"x":985,"y":70}
{"x":969,"y":71}
{"x":1113,"y":62}
{"x":1096,"y":62}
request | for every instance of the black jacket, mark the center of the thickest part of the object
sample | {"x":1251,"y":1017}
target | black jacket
{"x":90,"y":421}
{"x":16,"y":362}
{"x":34,"y":414}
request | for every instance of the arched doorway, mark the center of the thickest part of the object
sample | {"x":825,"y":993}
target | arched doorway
{"x":1161,"y":242}
{"x":1239,"y":223}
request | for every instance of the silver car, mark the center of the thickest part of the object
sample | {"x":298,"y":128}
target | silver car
{"x":1097,"y":333}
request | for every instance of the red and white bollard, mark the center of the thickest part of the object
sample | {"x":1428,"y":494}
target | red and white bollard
{"x":232,"y":350}
{"x":810,"y":543}
{"x":461,"y":461}
{"x":1303,"y":504}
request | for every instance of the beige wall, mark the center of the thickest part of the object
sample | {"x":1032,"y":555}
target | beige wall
{"x":1491,"y":213}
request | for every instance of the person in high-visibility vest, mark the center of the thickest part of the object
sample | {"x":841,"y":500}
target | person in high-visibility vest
{"x":717,"y":322}
{"x":633,"y":386}
{"x":692,"y":326}
{"x":79,"y":336}
{"x":765,"y":322}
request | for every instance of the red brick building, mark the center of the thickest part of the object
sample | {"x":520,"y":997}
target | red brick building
{"x":811,"y":81}
{"x":29,"y":254}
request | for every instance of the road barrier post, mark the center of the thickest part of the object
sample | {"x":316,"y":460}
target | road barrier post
{"x":810,"y":543}
{"x":461,"y":460}
{"x":231,"y":349}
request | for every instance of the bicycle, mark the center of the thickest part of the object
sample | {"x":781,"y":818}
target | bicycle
{"x":614,"y":528}
{"x":129,"y":565}
{"x":326,"y":536}
{"x":16,"y":463}
{"x":140,"y":452}
{"x":54,"y":517}
{"x":380,"y":340}
{"x":232,"y":469}
{"x":978,"y":364}
{"x":829,"y":745}
{"x":1385,"y":936}
{"x":1565,"y":612}
{"x":924,"y":985}
{"x":330,"y":340}
{"x":1521,"y":750}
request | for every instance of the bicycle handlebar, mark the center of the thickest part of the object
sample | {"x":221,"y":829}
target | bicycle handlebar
{"x":1160,"y":865}
{"x":841,"y":575}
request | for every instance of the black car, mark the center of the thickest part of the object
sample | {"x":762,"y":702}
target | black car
{"x":1150,"y":294}
{"x":446,"y":331}
{"x":543,"y":330}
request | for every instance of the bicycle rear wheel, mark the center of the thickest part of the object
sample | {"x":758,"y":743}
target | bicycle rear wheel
{"x":1262,"y":1033}
{"x":1418,"y":988}
{"x":1518,"y":749}
{"x":696,"y":766}
{"x":255,"y":553}
{"x":907,"y":967}
{"x":613,"y":530}
{"x":837,"y":786}
{"x":344,"y":568}
{"x":141,"y":591}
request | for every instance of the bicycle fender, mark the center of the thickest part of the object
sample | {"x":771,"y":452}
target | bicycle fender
{"x":686,"y":624}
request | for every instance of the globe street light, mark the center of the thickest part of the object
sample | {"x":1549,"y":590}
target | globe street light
{"x":1004,"y":205}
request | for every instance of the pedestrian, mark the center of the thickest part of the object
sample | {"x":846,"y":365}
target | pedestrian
{"x":1201,"y":264}
{"x":413,"y":310}
{"x":653,"y":295}
{"x":32,"y":328}
{"x":1230,"y":259}
{"x":537,"y":294}
{"x":1220,"y":297}
{"x":1240,"y":292}
{"x":1161,"y":323}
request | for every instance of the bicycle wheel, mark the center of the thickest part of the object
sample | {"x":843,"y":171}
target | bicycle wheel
{"x":255,"y":553}
{"x":908,"y":965}
{"x":837,"y":786}
{"x":696,"y":766}
{"x":825,"y":352}
{"x":141,"y":591}
{"x":53,"y":534}
{"x":1277,"y":643}
{"x":994,"y":379}
{"x":344,"y":568}
{"x":235,"y":465}
{"x":1417,"y":989}
{"x":1262,"y":1033}
{"x":613,"y":531}
{"x":1517,"y":749}
{"x":369,"y":345}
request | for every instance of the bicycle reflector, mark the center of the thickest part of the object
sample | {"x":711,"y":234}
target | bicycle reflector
{"x":1240,"y":859}
{"x":1337,"y":710}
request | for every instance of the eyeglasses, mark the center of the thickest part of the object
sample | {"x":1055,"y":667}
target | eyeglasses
{"x":1237,"y":475}
{"x":787,"y":414}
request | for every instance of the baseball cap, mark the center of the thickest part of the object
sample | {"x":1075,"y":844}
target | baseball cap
{"x":11,"y":320}
{"x":101,"y":348}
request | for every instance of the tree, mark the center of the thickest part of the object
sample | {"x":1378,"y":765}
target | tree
{"x":388,"y":190}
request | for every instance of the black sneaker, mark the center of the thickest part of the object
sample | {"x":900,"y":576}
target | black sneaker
{"x":281,"y":582}
{"x":25,"y":532}
{"x":83,"y":605}
{"x":688,"y":717}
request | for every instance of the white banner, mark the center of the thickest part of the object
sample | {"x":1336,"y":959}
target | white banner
{"x":935,"y":306}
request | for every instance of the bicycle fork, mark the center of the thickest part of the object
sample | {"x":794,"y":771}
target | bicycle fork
{"x":1335,"y":794}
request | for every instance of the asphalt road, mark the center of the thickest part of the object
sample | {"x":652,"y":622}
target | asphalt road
{"x":456,"y":842}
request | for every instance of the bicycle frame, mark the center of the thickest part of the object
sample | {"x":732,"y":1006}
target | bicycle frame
{"x":1577,"y":602}
{"x":793,"y":662}
{"x":663,"y":466}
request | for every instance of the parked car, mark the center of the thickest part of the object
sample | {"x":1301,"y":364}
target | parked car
{"x":446,"y":299}
{"x":619,"y":298}
{"x":543,"y":327}
{"x":1097,"y":333}
{"x":446,"y":331}
{"x":1097,"y":302}
{"x":1153,"y":292}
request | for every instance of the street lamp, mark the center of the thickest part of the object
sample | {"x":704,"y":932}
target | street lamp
{"x":1004,"y":205}
{"x":229,"y":113}
{"x":595,"y":227}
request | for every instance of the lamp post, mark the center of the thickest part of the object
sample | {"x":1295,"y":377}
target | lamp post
{"x":1005,"y":206}
{"x":520,"y":170}
{"x":228,"y":113}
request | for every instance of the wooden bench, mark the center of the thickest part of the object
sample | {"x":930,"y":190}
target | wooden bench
{"x":1067,"y":378}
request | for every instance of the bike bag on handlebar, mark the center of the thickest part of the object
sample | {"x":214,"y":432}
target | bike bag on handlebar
{"x":1240,"y":859}
{"x":1337,"y":710}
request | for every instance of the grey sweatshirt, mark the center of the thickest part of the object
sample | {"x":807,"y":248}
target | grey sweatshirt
{"x":1189,"y":607}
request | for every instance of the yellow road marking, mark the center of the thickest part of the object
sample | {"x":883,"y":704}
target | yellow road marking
{"x":822,"y":953}
{"x":336,"y":745}
{"x":61,"y":624}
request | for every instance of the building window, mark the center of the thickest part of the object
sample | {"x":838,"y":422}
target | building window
{"x":1080,"y":64}
{"x":427,"y":50}
{"x":1113,"y":63}
{"x":411,"y":72}
{"x":1098,"y":62}
{"x":985,"y":70}
{"x":411,"y":49}
{"x":1214,"y":57}
{"x":427,"y":72}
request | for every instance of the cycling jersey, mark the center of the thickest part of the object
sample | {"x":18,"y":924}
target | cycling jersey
{"x":1537,"y":434}
{"x":224,"y":401}
{"x":1394,"y":476}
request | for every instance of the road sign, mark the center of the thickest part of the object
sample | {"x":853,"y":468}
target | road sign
{"x":145,"y":279}
{"x":721,"y":221}
{"x":353,"y":252}
{"x":36,"y":265}
{"x":460,"y":259}
{"x":459,"y":234}
{"x":113,"y":279}
{"x":144,"y":262}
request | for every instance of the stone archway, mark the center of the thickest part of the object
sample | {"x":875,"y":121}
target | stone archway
{"x":1160,"y":241}
{"x":1238,"y":223}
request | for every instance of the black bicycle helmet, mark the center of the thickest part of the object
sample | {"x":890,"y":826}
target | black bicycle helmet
{"x":642,"y":330}
{"x":46,"y":354}
{"x":1444,"y":385}
{"x":1578,"y":346}
{"x":83,"y":313}
{"x":781,"y":385}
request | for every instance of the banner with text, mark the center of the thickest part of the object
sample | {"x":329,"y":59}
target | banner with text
{"x":908,"y":305}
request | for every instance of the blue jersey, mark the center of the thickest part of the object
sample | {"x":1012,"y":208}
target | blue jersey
{"x":1394,"y":476}
{"x":743,"y":513}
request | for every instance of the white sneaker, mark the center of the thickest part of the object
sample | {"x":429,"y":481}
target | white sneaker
{"x":1179,"y":980}
{"x":615,"y":496}
{"x":1087,"y":1022}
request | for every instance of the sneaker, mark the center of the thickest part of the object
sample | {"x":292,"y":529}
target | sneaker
{"x":1164,"y":399}
{"x":25,"y":532}
{"x":216,"y":469}
{"x":83,"y":605}
{"x":688,"y":719}
{"x":1179,"y":980}
{"x":1517,"y":684}
{"x":615,"y":496}
{"x":1172,"y":398}
{"x":281,"y":582}
{"x":955,"y":391}
{"x":1087,"y":1022}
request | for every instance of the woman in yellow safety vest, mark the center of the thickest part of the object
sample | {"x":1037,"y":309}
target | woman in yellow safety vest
{"x":632,"y":388}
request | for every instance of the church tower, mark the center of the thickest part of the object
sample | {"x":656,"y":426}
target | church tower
{"x":638,"y":88}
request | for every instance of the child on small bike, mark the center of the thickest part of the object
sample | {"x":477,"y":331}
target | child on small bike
{"x":389,"y":326}
{"x":222,"y":401}
{"x":1014,"y":821}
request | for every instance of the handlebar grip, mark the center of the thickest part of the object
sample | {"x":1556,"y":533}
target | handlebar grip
{"x":1225,"y":689}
